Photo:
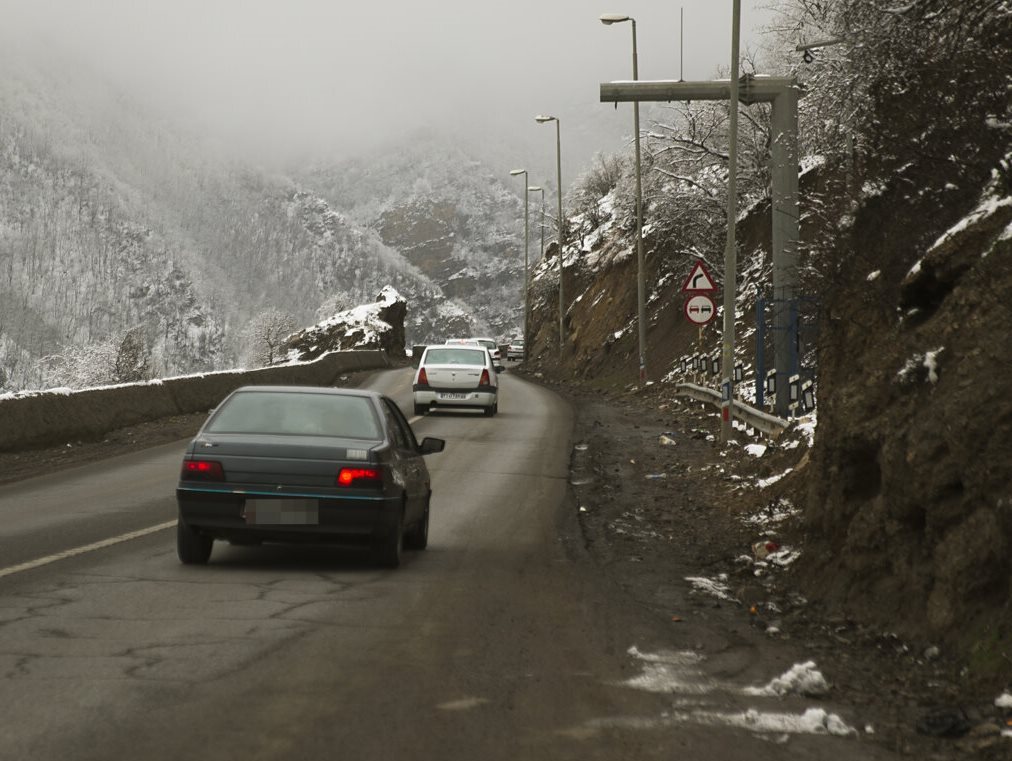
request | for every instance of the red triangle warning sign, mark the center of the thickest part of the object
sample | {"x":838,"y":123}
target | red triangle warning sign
{"x":699,"y":279}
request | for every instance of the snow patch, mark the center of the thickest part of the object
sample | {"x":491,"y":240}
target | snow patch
{"x":713,"y":587}
{"x":801,"y":679}
{"x":762,"y":483}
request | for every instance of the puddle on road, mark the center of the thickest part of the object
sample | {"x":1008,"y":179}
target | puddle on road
{"x":464,"y":704}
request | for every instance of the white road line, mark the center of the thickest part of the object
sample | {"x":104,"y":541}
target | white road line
{"x":81,"y":550}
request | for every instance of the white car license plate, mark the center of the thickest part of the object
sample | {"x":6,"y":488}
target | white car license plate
{"x":449,"y":397}
{"x":282,"y":512}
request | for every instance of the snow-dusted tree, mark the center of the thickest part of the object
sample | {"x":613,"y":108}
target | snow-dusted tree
{"x":133,"y":357}
{"x":265,"y":335}
{"x":866,"y":92}
{"x":85,"y":366}
{"x":339,"y":302}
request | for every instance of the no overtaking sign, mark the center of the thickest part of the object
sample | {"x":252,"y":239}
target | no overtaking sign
{"x":699,"y":307}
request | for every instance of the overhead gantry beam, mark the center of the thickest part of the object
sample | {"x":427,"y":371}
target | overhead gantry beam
{"x":783,"y":93}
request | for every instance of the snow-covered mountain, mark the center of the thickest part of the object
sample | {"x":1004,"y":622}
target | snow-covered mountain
{"x":453,"y":217}
{"x":112,"y":220}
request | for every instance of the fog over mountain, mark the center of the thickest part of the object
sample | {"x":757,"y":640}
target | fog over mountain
{"x":276,"y":82}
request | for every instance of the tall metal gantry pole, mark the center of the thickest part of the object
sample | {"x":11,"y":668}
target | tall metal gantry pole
{"x":730,"y":251}
{"x":558,"y":169}
{"x":516,"y":173}
{"x":641,"y":310}
{"x":783,"y":94}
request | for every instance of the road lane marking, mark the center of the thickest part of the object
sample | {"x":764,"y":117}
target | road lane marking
{"x":82,"y":550}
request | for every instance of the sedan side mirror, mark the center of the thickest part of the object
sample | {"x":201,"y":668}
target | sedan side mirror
{"x":499,"y":368}
{"x":431,"y":445}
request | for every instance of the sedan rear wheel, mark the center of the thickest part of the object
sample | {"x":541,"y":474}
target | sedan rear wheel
{"x":489,"y":411}
{"x":421,"y":409}
{"x":388,"y":552}
{"x":191,"y":547}
{"x":418,"y":537}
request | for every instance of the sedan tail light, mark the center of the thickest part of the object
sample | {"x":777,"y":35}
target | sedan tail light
{"x":485,"y":380}
{"x":202,"y":470}
{"x":359,"y":477}
{"x":423,"y":379}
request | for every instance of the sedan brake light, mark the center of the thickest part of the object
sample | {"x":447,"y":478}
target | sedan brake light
{"x":485,"y":380}
{"x":359,"y":477}
{"x":202,"y":470}
{"x":423,"y":379}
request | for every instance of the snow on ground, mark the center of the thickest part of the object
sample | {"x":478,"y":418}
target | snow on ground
{"x":680,"y":673}
{"x":713,"y":587}
{"x":756,"y":450}
{"x":801,"y":679}
{"x":762,"y":483}
{"x":772,"y":514}
{"x":669,"y":672}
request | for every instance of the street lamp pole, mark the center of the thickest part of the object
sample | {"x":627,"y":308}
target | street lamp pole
{"x":558,"y":169}
{"x":541,"y":224}
{"x":616,"y":18}
{"x":730,"y":253}
{"x":515,"y":173}
{"x":536,"y":189}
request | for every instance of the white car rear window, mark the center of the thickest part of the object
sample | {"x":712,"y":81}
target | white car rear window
{"x":455,"y":357}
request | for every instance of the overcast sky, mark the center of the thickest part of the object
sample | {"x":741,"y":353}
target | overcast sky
{"x":286,"y":78}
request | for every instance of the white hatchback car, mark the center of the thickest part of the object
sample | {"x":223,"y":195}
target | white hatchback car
{"x":456,"y":376}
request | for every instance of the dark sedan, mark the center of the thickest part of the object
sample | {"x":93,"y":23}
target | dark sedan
{"x":305,"y":464}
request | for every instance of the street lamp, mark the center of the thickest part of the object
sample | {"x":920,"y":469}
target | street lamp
{"x":558,"y":169}
{"x":541,"y":224}
{"x":516,"y":173}
{"x":616,"y":18}
{"x":538,"y":189}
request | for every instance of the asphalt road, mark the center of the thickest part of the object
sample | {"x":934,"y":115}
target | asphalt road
{"x":502,"y":640}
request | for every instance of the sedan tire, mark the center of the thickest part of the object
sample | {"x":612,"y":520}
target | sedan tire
{"x":388,"y":551}
{"x":418,"y":537}
{"x":191,"y":547}
{"x":421,"y":409}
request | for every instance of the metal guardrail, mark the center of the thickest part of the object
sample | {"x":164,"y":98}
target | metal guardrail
{"x":769,"y":424}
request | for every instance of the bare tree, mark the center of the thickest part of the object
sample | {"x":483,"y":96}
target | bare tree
{"x":265,"y":335}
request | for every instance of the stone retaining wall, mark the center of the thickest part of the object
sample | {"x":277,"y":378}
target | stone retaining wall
{"x":54,"y":417}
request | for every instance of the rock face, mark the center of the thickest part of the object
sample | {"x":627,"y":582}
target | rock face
{"x":379,"y":325}
{"x":910,"y":513}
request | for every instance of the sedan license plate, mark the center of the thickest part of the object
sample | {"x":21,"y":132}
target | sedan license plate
{"x":449,"y":397}
{"x":282,"y":512}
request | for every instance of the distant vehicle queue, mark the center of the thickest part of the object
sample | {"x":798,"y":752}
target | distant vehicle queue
{"x":461,"y":373}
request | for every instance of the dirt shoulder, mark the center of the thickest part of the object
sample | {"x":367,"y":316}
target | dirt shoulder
{"x":661,"y":501}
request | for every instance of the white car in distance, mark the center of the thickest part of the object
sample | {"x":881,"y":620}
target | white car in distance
{"x":456,"y":376}
{"x":488,"y":343}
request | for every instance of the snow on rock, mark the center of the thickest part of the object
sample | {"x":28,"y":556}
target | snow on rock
{"x":1004,"y":700}
{"x":988,"y":205}
{"x":919,"y":363}
{"x":800,"y":679}
{"x":756,"y":450}
{"x":379,"y":325}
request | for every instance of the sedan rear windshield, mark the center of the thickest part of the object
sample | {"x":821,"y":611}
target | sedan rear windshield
{"x":300,"y":414}
{"x":455,"y":357}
